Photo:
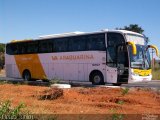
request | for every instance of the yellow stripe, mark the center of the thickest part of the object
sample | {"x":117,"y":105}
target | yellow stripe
{"x":32,"y":63}
{"x":142,"y":72}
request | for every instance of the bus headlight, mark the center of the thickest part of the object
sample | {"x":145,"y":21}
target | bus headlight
{"x":135,"y":74}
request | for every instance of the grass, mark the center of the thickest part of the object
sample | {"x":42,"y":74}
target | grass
{"x":124,"y":91}
{"x":120,"y":102}
{"x":9,"y":112}
{"x":115,"y":115}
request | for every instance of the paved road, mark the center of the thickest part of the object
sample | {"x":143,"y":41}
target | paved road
{"x":151,"y":84}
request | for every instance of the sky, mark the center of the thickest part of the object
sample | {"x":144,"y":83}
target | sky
{"x":26,"y":19}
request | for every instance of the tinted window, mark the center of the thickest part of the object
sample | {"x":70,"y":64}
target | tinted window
{"x":113,"y":40}
{"x":96,"y":42}
{"x":16,"y":48}
{"x":22,"y":48}
{"x":32,"y":47}
{"x":45,"y":46}
{"x":12,"y":49}
{"x":77,"y":43}
{"x":81,"y":43}
{"x":60,"y":45}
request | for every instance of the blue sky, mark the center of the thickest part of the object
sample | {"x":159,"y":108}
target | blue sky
{"x":24,"y":19}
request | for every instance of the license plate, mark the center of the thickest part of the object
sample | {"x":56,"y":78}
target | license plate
{"x":144,"y":79}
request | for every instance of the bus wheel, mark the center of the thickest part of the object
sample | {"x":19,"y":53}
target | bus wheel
{"x":26,"y":75}
{"x":97,"y":78}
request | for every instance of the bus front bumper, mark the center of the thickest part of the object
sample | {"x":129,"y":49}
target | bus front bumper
{"x":134,"y":79}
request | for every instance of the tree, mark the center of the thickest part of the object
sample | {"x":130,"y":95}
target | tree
{"x":134,"y":28}
{"x":2,"y":49}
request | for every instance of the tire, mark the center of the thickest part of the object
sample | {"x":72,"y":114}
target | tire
{"x":27,"y":75}
{"x":97,"y":78}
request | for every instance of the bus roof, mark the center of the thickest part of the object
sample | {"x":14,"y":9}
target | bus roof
{"x":77,"y":33}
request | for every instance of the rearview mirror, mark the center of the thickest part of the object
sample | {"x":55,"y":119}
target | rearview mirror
{"x":154,"y":47}
{"x":134,"y":49}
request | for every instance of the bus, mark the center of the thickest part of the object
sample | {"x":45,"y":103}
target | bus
{"x":108,"y":56}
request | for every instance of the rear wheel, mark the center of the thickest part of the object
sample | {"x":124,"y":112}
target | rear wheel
{"x":27,"y":75}
{"x":97,"y":78}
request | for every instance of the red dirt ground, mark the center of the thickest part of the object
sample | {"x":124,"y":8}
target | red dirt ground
{"x":83,"y":100}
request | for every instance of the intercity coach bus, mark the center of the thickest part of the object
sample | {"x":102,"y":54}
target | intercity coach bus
{"x":108,"y":56}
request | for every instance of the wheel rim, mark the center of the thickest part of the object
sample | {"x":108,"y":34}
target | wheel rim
{"x":97,"y":79}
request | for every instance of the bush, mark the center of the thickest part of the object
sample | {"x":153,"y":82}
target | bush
{"x":51,"y":94}
{"x":7,"y":112}
{"x":1,"y":60}
{"x":124,"y":91}
{"x":156,"y":72}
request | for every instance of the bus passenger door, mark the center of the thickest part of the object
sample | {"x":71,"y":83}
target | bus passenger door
{"x":111,"y":75}
{"x":122,"y":64}
{"x":114,"y":66}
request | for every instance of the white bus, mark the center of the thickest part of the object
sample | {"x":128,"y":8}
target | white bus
{"x":116,"y":57}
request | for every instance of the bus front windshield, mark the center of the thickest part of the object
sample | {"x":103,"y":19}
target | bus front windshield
{"x":142,"y":59}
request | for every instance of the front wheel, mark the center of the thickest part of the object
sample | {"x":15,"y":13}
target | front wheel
{"x":27,"y":75}
{"x":97,"y":78}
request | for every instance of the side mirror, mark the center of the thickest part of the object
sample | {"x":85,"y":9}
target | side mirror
{"x":154,"y":47}
{"x":134,"y":49}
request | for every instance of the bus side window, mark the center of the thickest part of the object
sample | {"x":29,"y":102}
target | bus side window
{"x":50,"y":46}
{"x":80,"y":43}
{"x":45,"y":46}
{"x":32,"y":47}
{"x":12,"y":49}
{"x":22,"y":48}
{"x":113,"y":40}
{"x":72,"y":44}
{"x":96,"y":42}
{"x":101,"y":42}
{"x":77,"y":43}
{"x":60,"y":45}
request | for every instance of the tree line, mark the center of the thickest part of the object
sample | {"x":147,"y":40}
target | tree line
{"x":2,"y":50}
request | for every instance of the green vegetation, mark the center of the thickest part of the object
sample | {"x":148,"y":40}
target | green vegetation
{"x":55,"y":80}
{"x":115,"y":115}
{"x":2,"y":49}
{"x":3,"y":82}
{"x":124,"y":91}
{"x":9,"y":112}
{"x":134,"y":28}
{"x":156,"y":72}
{"x":121,"y":102}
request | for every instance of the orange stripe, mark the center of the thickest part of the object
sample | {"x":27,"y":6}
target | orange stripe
{"x":32,"y":63}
